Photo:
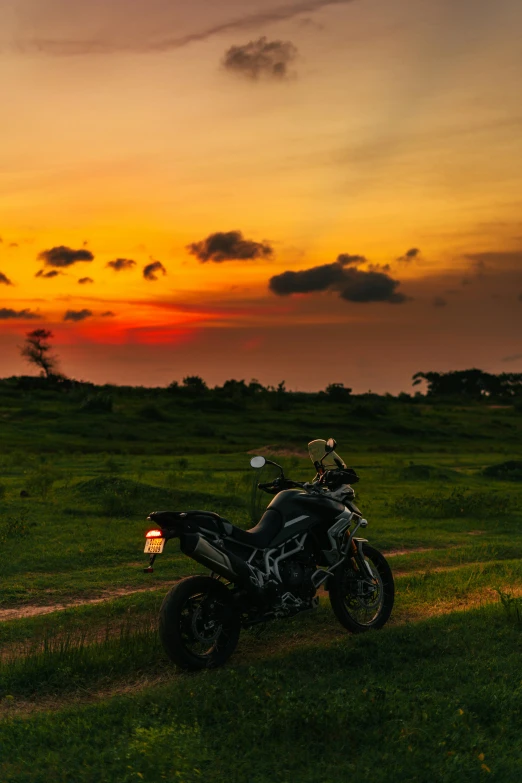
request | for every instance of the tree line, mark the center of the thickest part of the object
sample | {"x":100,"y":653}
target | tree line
{"x":473,"y":384}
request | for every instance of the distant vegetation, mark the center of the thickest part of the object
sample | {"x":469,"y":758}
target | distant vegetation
{"x":88,"y":694}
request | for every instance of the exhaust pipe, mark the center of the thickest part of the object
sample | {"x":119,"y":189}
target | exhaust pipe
{"x":224,"y":563}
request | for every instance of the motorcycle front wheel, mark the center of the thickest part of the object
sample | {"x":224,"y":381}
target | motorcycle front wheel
{"x":358,"y":603}
{"x":199,"y":625}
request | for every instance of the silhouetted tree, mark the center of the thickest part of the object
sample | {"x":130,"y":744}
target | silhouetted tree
{"x":37,"y":351}
{"x":194,"y":385}
{"x":470,"y":383}
{"x":338,"y":392}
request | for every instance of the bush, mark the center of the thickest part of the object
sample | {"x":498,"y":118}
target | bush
{"x":414,"y":472}
{"x":509,"y":471}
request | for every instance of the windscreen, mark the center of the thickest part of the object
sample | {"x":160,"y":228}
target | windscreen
{"x":317,"y":450}
{"x":259,"y":500}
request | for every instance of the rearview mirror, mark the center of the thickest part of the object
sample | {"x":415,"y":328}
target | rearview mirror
{"x":257,"y":462}
{"x":330,"y":445}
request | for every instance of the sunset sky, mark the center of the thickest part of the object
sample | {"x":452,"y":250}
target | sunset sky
{"x":311,"y":191}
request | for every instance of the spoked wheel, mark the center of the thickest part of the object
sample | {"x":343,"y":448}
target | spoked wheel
{"x":199,"y":625}
{"x":360,"y":603}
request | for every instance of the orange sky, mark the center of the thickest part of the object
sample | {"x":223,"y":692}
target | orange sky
{"x":386,"y":127}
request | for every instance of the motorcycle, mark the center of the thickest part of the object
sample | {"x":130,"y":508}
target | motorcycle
{"x":305,"y":539}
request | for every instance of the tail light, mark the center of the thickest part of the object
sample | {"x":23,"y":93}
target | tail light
{"x":154,"y":534}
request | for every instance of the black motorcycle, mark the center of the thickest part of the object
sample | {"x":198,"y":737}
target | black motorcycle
{"x":305,"y":538}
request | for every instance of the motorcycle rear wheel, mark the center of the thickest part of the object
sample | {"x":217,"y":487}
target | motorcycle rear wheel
{"x":358,"y":606}
{"x":199,"y":625}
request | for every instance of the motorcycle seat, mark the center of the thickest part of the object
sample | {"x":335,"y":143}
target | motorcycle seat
{"x":206,"y":519}
{"x":263,"y":533}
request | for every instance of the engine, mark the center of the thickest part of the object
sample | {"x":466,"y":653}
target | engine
{"x":296,"y":576}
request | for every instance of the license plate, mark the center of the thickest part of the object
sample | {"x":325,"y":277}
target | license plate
{"x":154,"y":546}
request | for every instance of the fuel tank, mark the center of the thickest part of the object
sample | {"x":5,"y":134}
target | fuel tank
{"x":301,"y":511}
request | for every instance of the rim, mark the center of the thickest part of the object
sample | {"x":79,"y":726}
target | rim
{"x":202,"y":625}
{"x":361,"y":600}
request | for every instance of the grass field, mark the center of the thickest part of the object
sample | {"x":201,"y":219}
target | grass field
{"x":86,"y":693}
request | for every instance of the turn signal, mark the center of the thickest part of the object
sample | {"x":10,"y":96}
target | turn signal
{"x":154,"y":534}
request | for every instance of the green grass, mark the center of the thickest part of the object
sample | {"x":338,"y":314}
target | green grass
{"x":386,"y":706}
{"x":427,"y":698}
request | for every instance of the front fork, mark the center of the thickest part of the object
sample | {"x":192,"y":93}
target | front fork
{"x":353,"y":548}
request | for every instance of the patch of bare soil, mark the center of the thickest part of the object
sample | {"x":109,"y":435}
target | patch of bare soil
{"x":32,"y":610}
{"x":253,"y":646}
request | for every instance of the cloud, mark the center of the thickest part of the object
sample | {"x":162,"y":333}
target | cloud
{"x":149,"y":271}
{"x":4,"y":279}
{"x":229,"y":246}
{"x":345,"y":258}
{"x":61,"y":256}
{"x":6,"y":313}
{"x":439,"y":301}
{"x":514,"y":358}
{"x":353,"y":285}
{"x":371,"y":287}
{"x":520,"y":297}
{"x":48,"y":275}
{"x":409,"y":255}
{"x":84,"y":280}
{"x":77,"y":315}
{"x":118,"y":39}
{"x":261,"y":58}
{"x":119,"y":264}
{"x":108,"y":314}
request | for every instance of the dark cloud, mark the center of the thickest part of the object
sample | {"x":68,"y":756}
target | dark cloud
{"x":520,"y":297}
{"x":345,"y":258}
{"x":318,"y":278}
{"x":229,"y":246}
{"x":108,"y":314}
{"x":439,"y":301}
{"x":4,"y":279}
{"x":84,"y":280}
{"x":261,"y":58}
{"x":371,"y":287}
{"x":61,"y":256}
{"x":119,"y":41}
{"x":6,"y":313}
{"x":119,"y":264}
{"x":77,"y":315}
{"x":514,"y":358}
{"x":409,"y":255}
{"x":353,"y":285}
{"x":48,"y":275}
{"x":150,"y":271}
{"x":13,"y":244}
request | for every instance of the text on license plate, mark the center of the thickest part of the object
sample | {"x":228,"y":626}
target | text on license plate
{"x":154,"y":546}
